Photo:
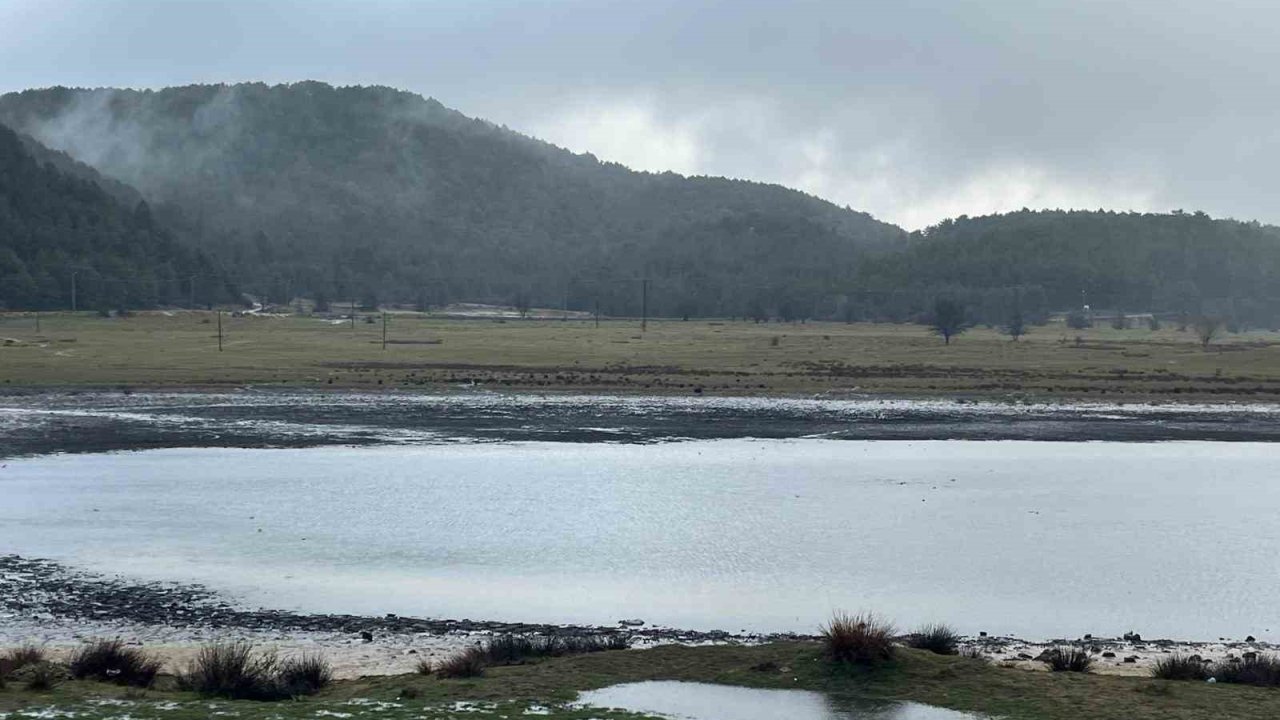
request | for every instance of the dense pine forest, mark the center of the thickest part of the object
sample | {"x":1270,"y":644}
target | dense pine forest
{"x":382,"y":196}
{"x":63,"y":239}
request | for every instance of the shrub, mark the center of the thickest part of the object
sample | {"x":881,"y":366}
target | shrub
{"x":936,"y":638}
{"x":863,"y":639}
{"x":424,"y":667}
{"x":1068,"y":659}
{"x":1263,"y":670}
{"x":1180,"y":667}
{"x":305,"y":675}
{"x":232,"y":670}
{"x":464,"y":664}
{"x":111,"y":661}
{"x":20,"y":657}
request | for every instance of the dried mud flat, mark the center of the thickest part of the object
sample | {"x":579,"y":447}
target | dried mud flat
{"x":73,"y":422}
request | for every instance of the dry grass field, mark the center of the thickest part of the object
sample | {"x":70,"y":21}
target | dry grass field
{"x":180,"y":349}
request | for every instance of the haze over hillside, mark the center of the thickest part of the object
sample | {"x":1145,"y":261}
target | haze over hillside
{"x":383,"y":196}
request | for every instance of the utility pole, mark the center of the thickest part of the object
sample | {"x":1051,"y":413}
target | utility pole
{"x":353,"y":316}
{"x":73,"y":290}
{"x":597,"y":312}
{"x":644,"y":304}
{"x":384,"y":330}
{"x":219,"y":331}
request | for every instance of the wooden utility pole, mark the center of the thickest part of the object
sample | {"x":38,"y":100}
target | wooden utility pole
{"x":219,"y":331}
{"x":384,"y":331}
{"x":644,"y":304}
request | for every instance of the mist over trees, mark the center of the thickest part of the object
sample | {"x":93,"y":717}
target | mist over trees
{"x":362,"y":192}
{"x":55,"y":225}
{"x":376,"y":196}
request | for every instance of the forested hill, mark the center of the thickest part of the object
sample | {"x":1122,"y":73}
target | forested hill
{"x":55,"y":223}
{"x":1037,"y":261}
{"x":383,"y":195}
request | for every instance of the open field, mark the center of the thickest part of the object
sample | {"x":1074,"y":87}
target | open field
{"x":731,"y":358}
{"x":947,"y":681}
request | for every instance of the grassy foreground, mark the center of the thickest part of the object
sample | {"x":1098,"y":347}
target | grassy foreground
{"x":715,"y":357}
{"x":949,"y":681}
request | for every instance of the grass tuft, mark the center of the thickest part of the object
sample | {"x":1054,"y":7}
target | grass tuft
{"x":233,"y":670}
{"x":936,"y":638}
{"x":463,"y":664}
{"x":1069,"y":659}
{"x":111,"y":661}
{"x":1262,"y":670}
{"x":511,"y":649}
{"x":424,"y":667}
{"x":17,"y":658}
{"x":862,"y":639}
{"x":305,"y":675}
{"x":1180,"y":667}
{"x":43,"y":677}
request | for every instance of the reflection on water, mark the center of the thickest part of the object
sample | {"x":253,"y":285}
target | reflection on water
{"x":702,"y":701}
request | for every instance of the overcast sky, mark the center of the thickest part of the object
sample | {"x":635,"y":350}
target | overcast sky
{"x":910,"y":110}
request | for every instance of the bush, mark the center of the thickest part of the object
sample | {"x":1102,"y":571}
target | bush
{"x":1263,"y":670}
{"x":17,"y":658}
{"x":111,"y":661}
{"x":424,"y":667}
{"x":1180,"y":667}
{"x":1068,"y":659}
{"x":464,"y":664}
{"x":936,"y":638}
{"x":305,"y":674}
{"x":863,"y":639}
{"x":234,"y":671}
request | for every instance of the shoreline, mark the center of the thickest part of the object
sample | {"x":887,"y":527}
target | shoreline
{"x":59,"y":608}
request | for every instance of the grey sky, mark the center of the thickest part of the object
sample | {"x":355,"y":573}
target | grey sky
{"x":910,"y":110}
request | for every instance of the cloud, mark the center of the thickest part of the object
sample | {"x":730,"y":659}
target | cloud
{"x":912,"y":110}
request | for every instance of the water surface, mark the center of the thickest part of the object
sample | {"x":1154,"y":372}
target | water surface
{"x":703,"y":701}
{"x":1033,"y":539}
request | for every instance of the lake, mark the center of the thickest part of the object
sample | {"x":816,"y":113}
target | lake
{"x":1033,"y":539}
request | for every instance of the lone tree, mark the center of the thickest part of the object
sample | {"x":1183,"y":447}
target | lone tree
{"x":1016,"y":326}
{"x":948,"y":318}
{"x":1207,"y":327}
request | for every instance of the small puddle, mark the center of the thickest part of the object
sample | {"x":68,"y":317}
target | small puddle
{"x":702,"y":701}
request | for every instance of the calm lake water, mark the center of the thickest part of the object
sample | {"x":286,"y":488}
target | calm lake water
{"x":1035,"y":539}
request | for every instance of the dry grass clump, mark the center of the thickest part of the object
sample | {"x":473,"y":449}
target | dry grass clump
{"x":861,"y":639}
{"x":1261,"y":670}
{"x":511,"y":649}
{"x":936,"y":638}
{"x":233,"y":670}
{"x":44,"y":676}
{"x":17,"y":658}
{"x":1180,"y":667}
{"x":463,"y":664}
{"x":112,"y":661}
{"x":1068,"y":659}
{"x":424,"y":667}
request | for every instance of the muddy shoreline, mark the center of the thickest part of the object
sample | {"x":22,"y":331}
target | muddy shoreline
{"x":57,"y":607}
{"x":86,"y":422}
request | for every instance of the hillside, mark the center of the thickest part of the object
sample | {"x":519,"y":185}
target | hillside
{"x":1041,"y":261}
{"x":385,"y":196}
{"x":56,"y":222}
